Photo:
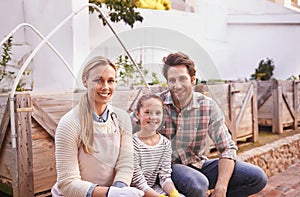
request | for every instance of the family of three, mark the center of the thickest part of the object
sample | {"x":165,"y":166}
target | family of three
{"x":97,"y":154}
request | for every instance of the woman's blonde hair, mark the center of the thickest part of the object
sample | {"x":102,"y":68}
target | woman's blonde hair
{"x":85,"y":110}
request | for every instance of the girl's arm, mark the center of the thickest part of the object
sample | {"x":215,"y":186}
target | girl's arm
{"x":151,"y":193}
{"x":169,"y":188}
{"x":165,"y":173}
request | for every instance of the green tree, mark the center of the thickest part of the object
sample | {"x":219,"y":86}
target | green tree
{"x":264,"y":70}
{"x":119,"y":10}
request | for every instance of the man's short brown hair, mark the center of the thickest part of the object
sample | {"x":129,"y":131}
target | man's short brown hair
{"x":175,"y":59}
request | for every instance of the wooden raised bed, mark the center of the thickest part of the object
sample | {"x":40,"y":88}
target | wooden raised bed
{"x":278,"y":104}
{"x":239,"y":104}
{"x":29,"y":169}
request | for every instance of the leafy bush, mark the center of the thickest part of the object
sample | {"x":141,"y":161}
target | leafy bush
{"x":129,"y":76}
{"x":264,"y":71}
{"x":5,"y":58}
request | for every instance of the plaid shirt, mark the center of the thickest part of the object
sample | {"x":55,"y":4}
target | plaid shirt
{"x":190,"y":128}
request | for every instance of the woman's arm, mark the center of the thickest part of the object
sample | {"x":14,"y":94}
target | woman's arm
{"x":66,"y":153}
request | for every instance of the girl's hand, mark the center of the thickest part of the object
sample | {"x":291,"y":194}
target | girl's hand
{"x":161,"y":195}
{"x":174,"y":193}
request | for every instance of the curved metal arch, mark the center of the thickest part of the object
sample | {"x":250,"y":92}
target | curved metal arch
{"x":39,"y":46}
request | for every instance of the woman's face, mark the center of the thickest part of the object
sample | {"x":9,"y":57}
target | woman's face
{"x":100,"y":85}
{"x":150,"y":114}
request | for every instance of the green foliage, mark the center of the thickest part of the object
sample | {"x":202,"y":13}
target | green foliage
{"x":264,"y":71}
{"x":155,"y":79}
{"x":127,"y":73}
{"x":5,"y":58}
{"x":119,"y":10}
{"x":130,"y":76}
{"x":8,"y":76}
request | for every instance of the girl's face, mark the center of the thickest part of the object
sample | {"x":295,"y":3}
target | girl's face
{"x":100,"y":85}
{"x":150,"y":114}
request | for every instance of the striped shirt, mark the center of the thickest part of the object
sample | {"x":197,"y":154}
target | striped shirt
{"x":151,"y":162}
{"x":190,"y":128}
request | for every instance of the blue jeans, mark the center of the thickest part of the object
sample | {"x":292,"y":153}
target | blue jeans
{"x":246,"y":179}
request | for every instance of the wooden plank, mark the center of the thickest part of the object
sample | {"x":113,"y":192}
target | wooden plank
{"x":4,"y":123}
{"x":264,"y":97}
{"x":295,"y":102}
{"x":43,"y":118}
{"x":288,"y":104}
{"x":254,"y":113}
{"x":38,"y":132}
{"x":220,"y":94}
{"x":6,"y":154}
{"x":43,"y":170}
{"x":232,"y":113}
{"x":23,"y":178}
{"x":245,"y":103}
{"x":277,"y":125}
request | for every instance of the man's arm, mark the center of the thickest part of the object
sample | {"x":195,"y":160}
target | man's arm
{"x":225,"y":170}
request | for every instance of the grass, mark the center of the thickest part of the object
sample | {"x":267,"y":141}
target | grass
{"x":266,"y":137}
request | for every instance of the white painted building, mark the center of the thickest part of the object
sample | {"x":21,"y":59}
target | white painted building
{"x":227,"y":39}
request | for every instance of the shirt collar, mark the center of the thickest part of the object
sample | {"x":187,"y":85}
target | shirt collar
{"x":193,"y":104}
{"x":103,"y":117}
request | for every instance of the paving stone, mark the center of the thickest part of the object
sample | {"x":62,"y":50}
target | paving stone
{"x":286,"y":183}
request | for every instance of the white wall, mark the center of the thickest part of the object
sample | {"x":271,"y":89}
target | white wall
{"x":166,"y":30}
{"x":226,"y":39}
{"x":8,"y":22}
{"x":49,"y":72}
{"x":235,"y":35}
{"x":279,"y":42}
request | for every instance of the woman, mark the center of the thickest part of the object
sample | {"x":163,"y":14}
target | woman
{"x":93,"y":141}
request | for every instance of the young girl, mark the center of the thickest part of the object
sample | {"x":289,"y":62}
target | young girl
{"x":152,"y":151}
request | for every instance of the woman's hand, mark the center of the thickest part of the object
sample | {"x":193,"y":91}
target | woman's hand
{"x":124,"y":192}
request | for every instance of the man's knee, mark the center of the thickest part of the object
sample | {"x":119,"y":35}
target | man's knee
{"x":190,"y":182}
{"x":198,"y":188}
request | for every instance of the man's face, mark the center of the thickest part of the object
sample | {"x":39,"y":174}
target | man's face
{"x":181,"y":85}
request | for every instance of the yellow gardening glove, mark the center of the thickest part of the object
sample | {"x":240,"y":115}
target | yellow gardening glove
{"x":174,"y":193}
{"x":161,"y":195}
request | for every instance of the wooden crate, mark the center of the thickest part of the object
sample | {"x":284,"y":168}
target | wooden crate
{"x":278,"y":104}
{"x":239,"y":104}
{"x":29,"y":169}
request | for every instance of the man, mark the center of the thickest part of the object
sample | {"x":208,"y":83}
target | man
{"x":190,"y":118}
